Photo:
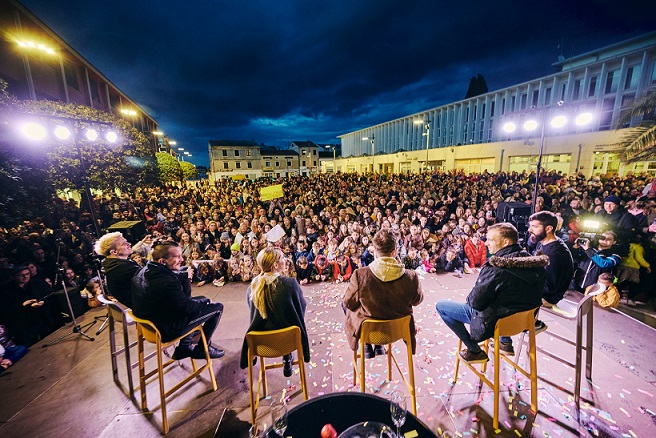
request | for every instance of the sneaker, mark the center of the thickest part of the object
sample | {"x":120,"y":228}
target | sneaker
{"x":182,"y":352}
{"x":540,"y":327}
{"x":458,"y":274}
{"x":199,"y":352}
{"x":468,"y":271}
{"x":379,"y":350}
{"x":546,"y":304}
{"x":287,"y":366}
{"x":369,"y":351}
{"x":469,"y":357}
{"x":506,"y":348}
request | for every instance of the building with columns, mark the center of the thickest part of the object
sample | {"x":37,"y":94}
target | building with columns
{"x":468,"y":134}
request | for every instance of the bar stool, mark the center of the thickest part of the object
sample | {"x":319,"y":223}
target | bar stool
{"x":273,"y":344}
{"x":386,"y":332}
{"x":147,"y":330}
{"x":508,"y":326}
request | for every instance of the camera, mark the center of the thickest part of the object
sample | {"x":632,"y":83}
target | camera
{"x":581,"y":241}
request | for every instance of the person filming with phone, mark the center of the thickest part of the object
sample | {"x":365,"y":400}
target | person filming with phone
{"x":592,"y":262}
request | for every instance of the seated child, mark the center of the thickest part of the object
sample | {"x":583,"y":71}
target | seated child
{"x":246,"y":267}
{"x":304,"y":270}
{"x":342,"y":268}
{"x":204,"y":274}
{"x":322,"y":269}
{"x":426,"y":261}
{"x":10,"y":353}
{"x":412,"y":260}
{"x":610,"y":297}
{"x":220,"y":271}
{"x":93,"y":290}
{"x":451,"y":262}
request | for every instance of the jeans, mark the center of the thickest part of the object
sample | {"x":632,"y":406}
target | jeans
{"x":209,"y":316}
{"x":455,"y":316}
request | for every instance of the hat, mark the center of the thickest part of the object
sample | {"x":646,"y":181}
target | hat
{"x":225,"y":235}
{"x":235,"y":247}
{"x":607,"y":276}
{"x":614,"y":199}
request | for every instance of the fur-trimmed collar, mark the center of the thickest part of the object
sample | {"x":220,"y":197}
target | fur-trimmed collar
{"x":539,"y":261}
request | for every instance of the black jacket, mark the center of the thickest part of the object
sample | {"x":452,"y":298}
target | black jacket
{"x":119,"y":273}
{"x":560,"y":271}
{"x":511,"y":281}
{"x":285,"y":308}
{"x":157,"y":296}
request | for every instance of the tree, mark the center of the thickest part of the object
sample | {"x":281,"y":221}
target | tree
{"x":639,"y":144}
{"x":169,"y":168}
{"x":189,"y":171}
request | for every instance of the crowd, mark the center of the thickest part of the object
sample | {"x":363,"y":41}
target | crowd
{"x":328,"y":223}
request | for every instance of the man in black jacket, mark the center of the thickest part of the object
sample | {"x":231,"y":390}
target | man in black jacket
{"x":510,"y":281}
{"x":119,"y":269}
{"x":158,"y":296}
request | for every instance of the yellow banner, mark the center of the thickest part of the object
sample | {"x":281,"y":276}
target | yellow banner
{"x":238,"y":177}
{"x":271,"y":192}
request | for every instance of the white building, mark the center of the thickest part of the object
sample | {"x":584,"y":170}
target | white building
{"x":468,"y":135}
{"x":308,"y":156}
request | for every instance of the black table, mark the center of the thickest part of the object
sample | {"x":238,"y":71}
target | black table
{"x":343,"y":410}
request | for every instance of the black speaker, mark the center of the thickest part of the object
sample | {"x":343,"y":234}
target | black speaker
{"x":517,"y":213}
{"x":78,"y":305}
{"x":133,"y":231}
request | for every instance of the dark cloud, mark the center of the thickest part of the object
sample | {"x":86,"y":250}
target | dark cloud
{"x":287,"y":70}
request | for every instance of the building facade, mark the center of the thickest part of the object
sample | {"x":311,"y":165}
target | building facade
{"x":39,"y":65}
{"x":468,"y":134}
{"x":308,"y":155}
{"x":245,"y":159}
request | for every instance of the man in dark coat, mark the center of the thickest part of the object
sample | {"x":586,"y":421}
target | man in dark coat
{"x":382,"y":290}
{"x":119,"y":269}
{"x":158,"y":296}
{"x":510,"y":281}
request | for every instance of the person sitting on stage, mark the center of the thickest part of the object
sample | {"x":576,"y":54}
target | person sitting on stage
{"x":118,"y":267}
{"x":158,"y":296}
{"x":510,"y":282}
{"x":276,"y":302}
{"x":382,"y":290}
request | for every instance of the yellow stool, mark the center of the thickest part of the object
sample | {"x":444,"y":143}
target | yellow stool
{"x":386,"y":332}
{"x":508,"y":326}
{"x":147,"y":330}
{"x":272,"y":344}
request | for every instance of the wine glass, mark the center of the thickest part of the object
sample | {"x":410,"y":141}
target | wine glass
{"x":279,"y":416}
{"x":398,"y":410}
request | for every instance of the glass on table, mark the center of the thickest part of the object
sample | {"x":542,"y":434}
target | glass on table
{"x":279,"y":416}
{"x":398,"y":410}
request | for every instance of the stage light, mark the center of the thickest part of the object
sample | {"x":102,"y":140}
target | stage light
{"x":111,"y":137}
{"x":530,"y":125}
{"x":559,"y":121}
{"x":509,"y":127}
{"x":583,"y":119}
{"x":92,"y":134}
{"x":62,"y":132}
{"x":33,"y":131}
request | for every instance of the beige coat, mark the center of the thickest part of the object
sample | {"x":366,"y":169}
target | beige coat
{"x":382,"y":290}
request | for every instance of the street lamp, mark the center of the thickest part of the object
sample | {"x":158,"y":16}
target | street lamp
{"x":558,"y":121}
{"x":426,"y":124}
{"x":373,"y":159}
{"x":333,"y":147}
{"x":36,"y":132}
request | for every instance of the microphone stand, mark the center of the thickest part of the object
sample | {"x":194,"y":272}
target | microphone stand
{"x":76,"y":327}
{"x":101,"y":282}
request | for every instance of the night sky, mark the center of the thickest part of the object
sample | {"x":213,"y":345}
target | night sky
{"x":276,"y":71}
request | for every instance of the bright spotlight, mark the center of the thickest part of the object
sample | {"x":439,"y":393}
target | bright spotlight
{"x":509,"y":127}
{"x":92,"y":134}
{"x":530,"y":125}
{"x":111,"y":137}
{"x":62,"y":132}
{"x":583,"y":119}
{"x":365,"y":138}
{"x":33,"y":131}
{"x":558,"y":121}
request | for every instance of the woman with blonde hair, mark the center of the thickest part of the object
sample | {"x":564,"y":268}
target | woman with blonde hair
{"x":275,"y":302}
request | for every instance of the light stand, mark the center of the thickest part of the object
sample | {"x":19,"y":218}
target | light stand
{"x":76,"y":327}
{"x":101,"y":283}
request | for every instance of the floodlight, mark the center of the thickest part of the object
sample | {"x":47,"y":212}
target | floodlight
{"x":509,"y":127}
{"x":91,"y":134}
{"x":33,"y":131}
{"x":62,"y":132}
{"x":111,"y":137}
{"x":559,"y":121}
{"x":583,"y":119}
{"x":530,"y":125}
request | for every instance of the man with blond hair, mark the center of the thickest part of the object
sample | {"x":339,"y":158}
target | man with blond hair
{"x":119,"y":269}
